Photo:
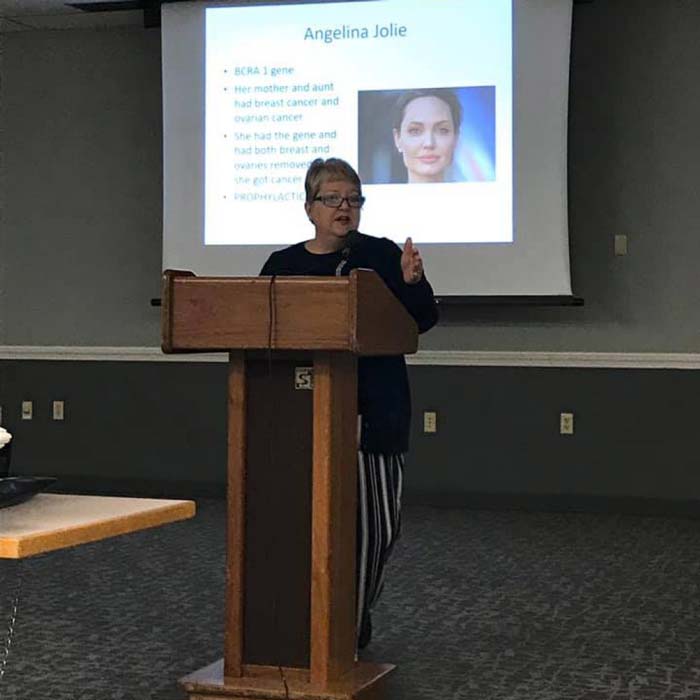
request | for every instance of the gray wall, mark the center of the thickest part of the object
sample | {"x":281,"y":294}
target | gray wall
{"x":82,"y":187}
{"x":80,"y":251}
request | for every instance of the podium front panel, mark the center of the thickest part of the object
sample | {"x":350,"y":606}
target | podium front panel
{"x":276,"y":628}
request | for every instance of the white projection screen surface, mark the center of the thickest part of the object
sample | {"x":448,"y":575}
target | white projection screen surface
{"x":253,"y":92}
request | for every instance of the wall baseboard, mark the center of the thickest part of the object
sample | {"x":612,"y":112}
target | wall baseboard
{"x":433,"y":358}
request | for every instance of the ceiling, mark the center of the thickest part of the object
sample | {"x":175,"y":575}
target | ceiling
{"x":26,"y":15}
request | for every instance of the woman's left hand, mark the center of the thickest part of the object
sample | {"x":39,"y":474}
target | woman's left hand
{"x":411,"y":263}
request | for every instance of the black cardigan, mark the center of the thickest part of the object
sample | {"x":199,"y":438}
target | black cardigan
{"x":384,"y":399}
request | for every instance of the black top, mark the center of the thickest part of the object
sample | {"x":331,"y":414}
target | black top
{"x":384,"y":400}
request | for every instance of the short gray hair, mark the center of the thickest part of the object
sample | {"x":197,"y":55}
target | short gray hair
{"x":321,"y":171}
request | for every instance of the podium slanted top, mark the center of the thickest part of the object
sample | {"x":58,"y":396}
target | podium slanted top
{"x":356,"y":314}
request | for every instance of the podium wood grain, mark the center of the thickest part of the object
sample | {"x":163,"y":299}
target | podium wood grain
{"x":356,"y":314}
{"x":235,"y":556}
{"x":334,"y":515}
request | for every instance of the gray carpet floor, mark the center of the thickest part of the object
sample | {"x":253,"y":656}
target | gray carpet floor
{"x":477,"y":605}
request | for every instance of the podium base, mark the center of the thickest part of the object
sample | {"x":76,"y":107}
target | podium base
{"x":366,"y":681}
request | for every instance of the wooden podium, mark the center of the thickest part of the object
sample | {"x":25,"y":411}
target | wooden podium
{"x":292,"y":472}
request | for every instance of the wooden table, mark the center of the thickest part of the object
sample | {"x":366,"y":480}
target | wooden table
{"x":54,"y":521}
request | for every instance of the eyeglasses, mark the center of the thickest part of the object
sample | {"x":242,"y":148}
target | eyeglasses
{"x":335,"y":201}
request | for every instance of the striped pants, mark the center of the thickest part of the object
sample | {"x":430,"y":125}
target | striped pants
{"x":379,"y":483}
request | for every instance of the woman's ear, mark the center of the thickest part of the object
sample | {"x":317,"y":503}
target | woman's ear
{"x":307,"y":209}
{"x":397,"y":140}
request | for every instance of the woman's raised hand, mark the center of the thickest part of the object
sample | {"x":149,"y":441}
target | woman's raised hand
{"x":411,"y":263}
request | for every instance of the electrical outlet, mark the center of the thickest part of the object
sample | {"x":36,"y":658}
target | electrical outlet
{"x":429,"y":422}
{"x":57,"y":410}
{"x":27,"y":410}
{"x":566,"y":423}
{"x":621,"y":244}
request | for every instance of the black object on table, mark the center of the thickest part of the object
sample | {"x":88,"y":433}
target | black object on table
{"x":17,"y":489}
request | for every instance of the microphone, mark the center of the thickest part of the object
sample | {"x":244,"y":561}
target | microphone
{"x":350,"y":241}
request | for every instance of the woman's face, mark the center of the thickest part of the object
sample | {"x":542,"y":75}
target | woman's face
{"x":427,"y":139}
{"x":334,"y":223}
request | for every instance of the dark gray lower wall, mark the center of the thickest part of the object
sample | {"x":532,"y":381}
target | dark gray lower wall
{"x":498,"y":438}
{"x":635,"y":434}
{"x":123,"y":420}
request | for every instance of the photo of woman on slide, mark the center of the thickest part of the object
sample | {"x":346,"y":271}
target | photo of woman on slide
{"x":426,"y":129}
{"x":434,"y":135}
